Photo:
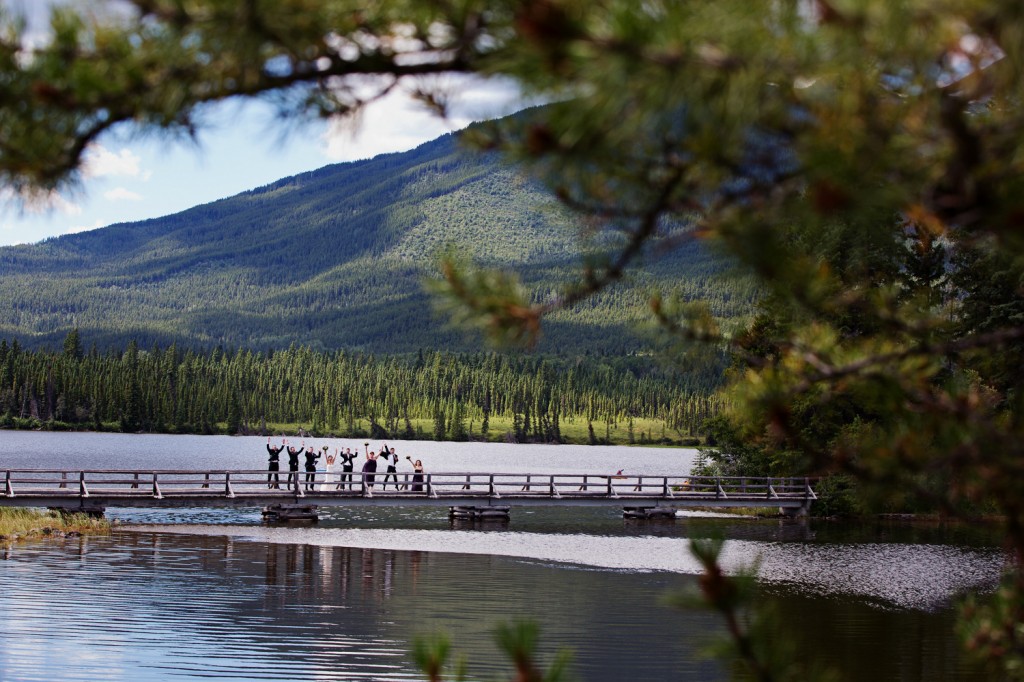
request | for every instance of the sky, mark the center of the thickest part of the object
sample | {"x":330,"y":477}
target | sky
{"x":128,"y":177}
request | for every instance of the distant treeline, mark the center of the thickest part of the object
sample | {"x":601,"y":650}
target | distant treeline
{"x":347,"y":395}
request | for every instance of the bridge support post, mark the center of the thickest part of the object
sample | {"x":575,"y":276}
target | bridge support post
{"x":648,"y":513}
{"x":795,"y":512}
{"x":291,"y":512}
{"x":88,"y":508}
{"x":479,"y":513}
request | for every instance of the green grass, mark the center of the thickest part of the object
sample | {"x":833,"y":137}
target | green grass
{"x":645,"y":431}
{"x":16,"y":523}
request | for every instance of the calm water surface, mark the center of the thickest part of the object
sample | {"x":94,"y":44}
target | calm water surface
{"x":195,"y":593}
{"x":24,"y":449}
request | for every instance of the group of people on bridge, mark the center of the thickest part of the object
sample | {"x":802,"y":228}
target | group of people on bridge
{"x":346,"y":458}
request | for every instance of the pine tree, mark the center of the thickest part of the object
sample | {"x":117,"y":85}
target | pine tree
{"x":73,"y":345}
{"x":234,"y":416}
{"x":440,"y":428}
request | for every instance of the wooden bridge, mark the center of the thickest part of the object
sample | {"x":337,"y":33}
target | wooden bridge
{"x":465,"y":493}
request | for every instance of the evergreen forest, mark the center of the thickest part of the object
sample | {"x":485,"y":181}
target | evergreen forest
{"x":337,"y":259}
{"x":424,"y":395}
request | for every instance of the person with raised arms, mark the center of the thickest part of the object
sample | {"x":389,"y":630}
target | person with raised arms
{"x":391,"y":457}
{"x":274,"y":465}
{"x":347,"y":459}
{"x":312,"y":457}
{"x":369,"y":467}
{"x":293,"y":463}
{"x":417,"y":475}
{"x":329,"y":461}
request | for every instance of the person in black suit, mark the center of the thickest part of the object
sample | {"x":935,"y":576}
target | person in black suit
{"x":312,"y":457}
{"x":274,"y":465}
{"x":293,"y":464}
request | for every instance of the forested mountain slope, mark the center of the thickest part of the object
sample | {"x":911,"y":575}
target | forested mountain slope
{"x":332,"y":259}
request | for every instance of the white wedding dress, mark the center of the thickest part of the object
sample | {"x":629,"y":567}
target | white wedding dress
{"x":329,"y":476}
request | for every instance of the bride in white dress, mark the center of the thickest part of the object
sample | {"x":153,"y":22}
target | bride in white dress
{"x":329,"y":475}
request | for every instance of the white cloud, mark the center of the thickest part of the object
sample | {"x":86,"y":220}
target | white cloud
{"x":122,"y":194}
{"x":61,"y":205}
{"x":85,"y":228}
{"x":397,"y":122}
{"x":100,"y":161}
{"x":38,"y":202}
{"x":399,"y":130}
{"x":28,"y":205}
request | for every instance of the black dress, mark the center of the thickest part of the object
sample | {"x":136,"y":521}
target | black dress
{"x":369,"y":470}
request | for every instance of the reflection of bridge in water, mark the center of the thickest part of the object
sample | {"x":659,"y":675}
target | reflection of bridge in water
{"x":474,"y":494}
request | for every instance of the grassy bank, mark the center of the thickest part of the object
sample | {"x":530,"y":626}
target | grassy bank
{"x":647,"y":432}
{"x":501,"y":429}
{"x":16,"y":524}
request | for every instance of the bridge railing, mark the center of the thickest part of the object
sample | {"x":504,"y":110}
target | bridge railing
{"x":256,"y":482}
{"x":123,"y":482}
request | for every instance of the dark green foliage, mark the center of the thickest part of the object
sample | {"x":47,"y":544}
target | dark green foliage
{"x":518,"y":640}
{"x":73,"y":345}
{"x":163,"y":389}
{"x":838,"y":495}
{"x":431,"y":656}
{"x":234,"y":416}
{"x":990,"y":628}
{"x":756,"y":643}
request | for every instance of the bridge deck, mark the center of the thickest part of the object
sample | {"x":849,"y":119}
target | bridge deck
{"x":175,"y":488}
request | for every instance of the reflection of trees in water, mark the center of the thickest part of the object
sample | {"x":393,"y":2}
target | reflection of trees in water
{"x":325,"y":574}
{"x":354,"y":611}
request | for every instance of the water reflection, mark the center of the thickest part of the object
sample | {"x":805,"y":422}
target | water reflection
{"x":894,"y":575}
{"x":152,"y":605}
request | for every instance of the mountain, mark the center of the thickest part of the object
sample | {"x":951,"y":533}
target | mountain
{"x":334,"y":258}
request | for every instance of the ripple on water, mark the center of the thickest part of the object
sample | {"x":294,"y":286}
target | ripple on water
{"x":278,"y":603}
{"x":898,"y":575}
{"x":117,"y":612}
{"x":150,"y":606}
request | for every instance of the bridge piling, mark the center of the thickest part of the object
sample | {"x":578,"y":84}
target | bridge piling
{"x":95,"y":511}
{"x":648,"y":513}
{"x":481,"y":513}
{"x":291,"y":512}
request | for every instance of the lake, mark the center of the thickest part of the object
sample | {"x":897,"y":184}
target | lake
{"x":197,"y":593}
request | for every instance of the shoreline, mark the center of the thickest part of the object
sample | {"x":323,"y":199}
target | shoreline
{"x":299,"y":432}
{"x":30,"y":523}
